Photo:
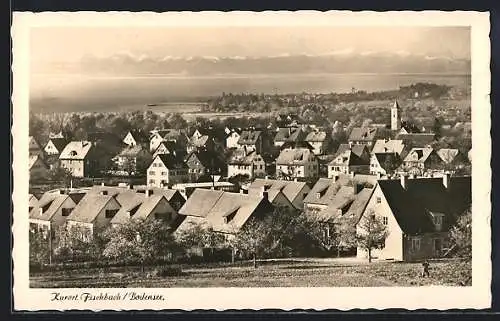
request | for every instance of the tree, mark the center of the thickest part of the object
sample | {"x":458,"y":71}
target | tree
{"x":39,"y":250}
{"x":76,"y":243}
{"x":371,"y":233}
{"x":461,"y":235}
{"x":60,"y":174}
{"x":196,"y":235}
{"x":436,"y":128}
{"x":252,"y":238}
{"x":142,"y":240}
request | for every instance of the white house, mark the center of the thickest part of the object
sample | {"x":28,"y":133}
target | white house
{"x":297,"y":163}
{"x":232,"y":138}
{"x":246,"y":163}
{"x":167,"y":169}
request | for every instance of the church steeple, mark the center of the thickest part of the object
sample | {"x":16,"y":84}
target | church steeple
{"x":395,"y":118}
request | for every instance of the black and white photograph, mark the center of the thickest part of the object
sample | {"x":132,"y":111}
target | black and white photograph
{"x":250,"y":154}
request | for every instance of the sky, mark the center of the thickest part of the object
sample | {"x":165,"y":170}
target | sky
{"x":49,"y":44}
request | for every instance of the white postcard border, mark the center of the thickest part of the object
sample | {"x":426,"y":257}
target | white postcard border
{"x":436,"y":297}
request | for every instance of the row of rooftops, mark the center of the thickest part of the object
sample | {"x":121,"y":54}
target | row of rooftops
{"x":339,"y":198}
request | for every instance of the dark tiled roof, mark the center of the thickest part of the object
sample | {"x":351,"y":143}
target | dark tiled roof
{"x":417,"y":139}
{"x":385,"y":159}
{"x":59,"y":143}
{"x":172,"y":161}
{"x":290,"y":134}
{"x":411,"y":206}
{"x":140,"y":136}
{"x":249,"y":137}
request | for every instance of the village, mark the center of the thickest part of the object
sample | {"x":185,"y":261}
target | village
{"x":383,"y":192}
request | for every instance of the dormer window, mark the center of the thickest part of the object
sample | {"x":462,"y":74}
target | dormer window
{"x":73,"y":153}
{"x":437,"y":219}
{"x":110,"y":213}
{"x":228,"y":218}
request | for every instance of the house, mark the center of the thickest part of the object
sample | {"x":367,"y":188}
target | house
{"x":417,"y":139}
{"x":349,"y":160}
{"x":55,"y":146}
{"x":420,"y":160}
{"x":200,"y":142}
{"x":253,"y":140}
{"x":289,"y":134}
{"x":338,"y":201}
{"x":203,"y":162}
{"x":34,"y":147}
{"x":324,"y":192}
{"x":38,"y":167}
{"x":132,"y":160}
{"x":297,"y":163}
{"x":173,"y":196}
{"x":284,"y":120}
{"x":274,"y":196}
{"x":364,"y":136}
{"x":32,"y":201}
{"x":158,"y":136}
{"x":242,"y":162}
{"x":294,"y":191}
{"x":319,"y":140}
{"x":186,"y":189}
{"x":170,"y":147}
{"x":224,"y":212}
{"x":167,"y":169}
{"x":136,"y":137}
{"x":384,"y":163}
{"x":51,"y":211}
{"x":146,"y":207}
{"x":388,"y":146}
{"x":232,"y":137}
{"x":453,"y":156}
{"x":78,"y":159}
{"x":418,"y":214}
{"x":94,"y":213}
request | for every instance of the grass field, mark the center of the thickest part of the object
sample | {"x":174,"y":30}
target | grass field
{"x":280,"y":273}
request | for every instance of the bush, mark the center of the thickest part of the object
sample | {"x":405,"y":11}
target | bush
{"x":165,"y":271}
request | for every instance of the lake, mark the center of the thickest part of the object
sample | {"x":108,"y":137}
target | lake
{"x":49,"y":93}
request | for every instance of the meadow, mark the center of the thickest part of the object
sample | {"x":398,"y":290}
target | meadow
{"x":343,"y":272}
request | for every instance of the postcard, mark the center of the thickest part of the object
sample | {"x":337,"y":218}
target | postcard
{"x":251,"y":160}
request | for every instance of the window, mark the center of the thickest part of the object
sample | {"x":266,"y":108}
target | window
{"x":110,"y":213}
{"x":151,"y":181}
{"x":438,"y":220}
{"x":385,"y":220}
{"x":163,"y":173}
{"x":379,"y":200}
{"x":66,"y":211}
{"x":151,"y":172}
{"x":415,"y":244}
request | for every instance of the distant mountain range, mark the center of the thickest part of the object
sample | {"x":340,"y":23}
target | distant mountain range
{"x":126,"y":64}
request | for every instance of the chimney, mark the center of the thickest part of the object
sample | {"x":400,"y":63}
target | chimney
{"x":379,"y":175}
{"x":266,"y":177}
{"x":446,"y":180}
{"x":148,"y":192}
{"x":404,"y":182}
{"x":41,"y":210}
{"x":295,"y":179}
{"x":130,"y":186}
{"x":358,"y":188}
{"x":102,"y":184}
{"x":318,"y":195}
{"x":242,"y":191}
{"x":350,"y":144}
{"x":351,"y":174}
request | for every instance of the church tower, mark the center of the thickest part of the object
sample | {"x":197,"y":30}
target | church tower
{"x":395,"y":118}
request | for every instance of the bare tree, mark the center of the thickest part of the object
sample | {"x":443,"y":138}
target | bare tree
{"x":371,"y":233}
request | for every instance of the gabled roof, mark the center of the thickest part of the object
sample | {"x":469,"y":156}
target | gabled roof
{"x":139,"y":135}
{"x":172,"y":161}
{"x":33,"y":144}
{"x":386,"y":159}
{"x":51,"y":202}
{"x":138,"y":205}
{"x":77,"y":150}
{"x":296,"y":145}
{"x":59,"y":143}
{"x":199,"y":142}
{"x":366,"y":134}
{"x":328,"y":187}
{"x":290,"y":189}
{"x":211,"y":208}
{"x":171,"y":146}
{"x":290,"y":134}
{"x":358,"y":149}
{"x":296,"y":156}
{"x":240,"y":157}
{"x":34,"y":158}
{"x":89,"y":207}
{"x":388,"y":146}
{"x":249,"y":137}
{"x":206,"y":158}
{"x":412,"y":206}
{"x":449,"y":155}
{"x":200,"y":202}
{"x":418,"y":154}
{"x":316,"y":136}
{"x":348,"y":158}
{"x":132,"y":151}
